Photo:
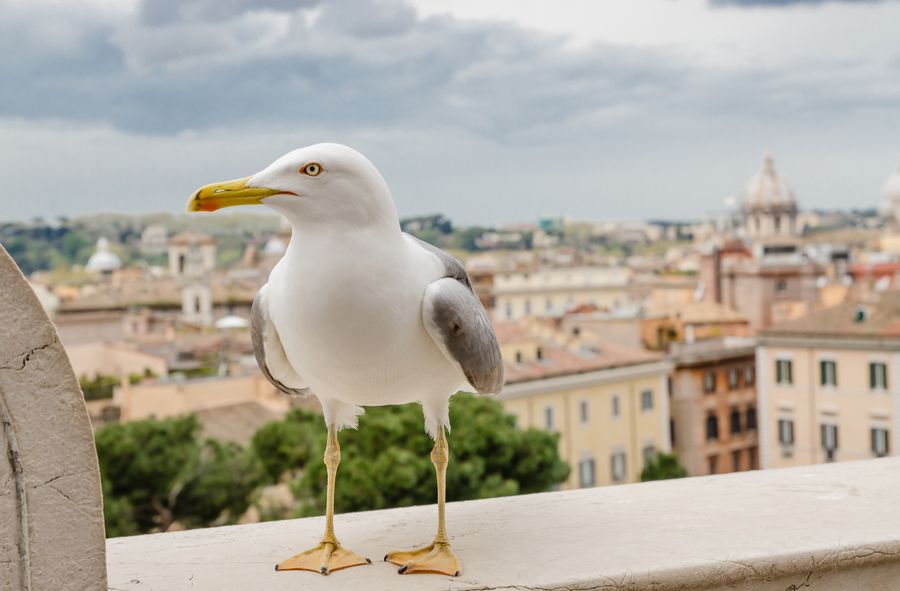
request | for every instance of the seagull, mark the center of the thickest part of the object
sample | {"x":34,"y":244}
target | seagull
{"x":359,"y":313}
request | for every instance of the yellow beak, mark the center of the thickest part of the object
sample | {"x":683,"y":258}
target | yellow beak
{"x":236,"y":192}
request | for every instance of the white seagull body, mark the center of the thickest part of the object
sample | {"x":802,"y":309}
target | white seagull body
{"x":361,"y":314}
{"x":349,"y":317}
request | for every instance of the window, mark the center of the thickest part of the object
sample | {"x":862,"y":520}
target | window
{"x":548,"y":305}
{"x":713,"y":462}
{"x":860,"y":314}
{"x":672,"y":432}
{"x":880,"y":446}
{"x":618,"y":466}
{"x":539,"y":353}
{"x":549,"y":418}
{"x":829,"y":440}
{"x":736,"y":460}
{"x":878,"y":376}
{"x":784,"y":371}
{"x":648,"y":453}
{"x":751,"y":418}
{"x":519,"y":357}
{"x":712,"y":427}
{"x":583,"y":411}
{"x":586,"y":473}
{"x":647,"y":400}
{"x":749,"y":375}
{"x":509,"y":310}
{"x":733,"y":379}
{"x":615,"y":406}
{"x":780,"y":286}
{"x":753,"y":454}
{"x":735,"y":421}
{"x":709,"y":382}
{"x":527,"y":307}
{"x":786,"y":432}
{"x":827,"y":373}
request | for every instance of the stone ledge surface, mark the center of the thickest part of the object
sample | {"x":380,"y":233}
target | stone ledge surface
{"x":825,"y":527}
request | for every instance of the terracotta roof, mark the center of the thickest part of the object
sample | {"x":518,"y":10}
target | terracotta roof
{"x":560,"y":361}
{"x":511,"y":332}
{"x":878,"y":318}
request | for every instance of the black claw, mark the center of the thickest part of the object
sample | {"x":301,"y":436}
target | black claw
{"x":368,"y":561}
{"x":276,"y":567}
{"x":385,"y":557}
{"x":403,"y":569}
{"x":324,"y":570}
{"x":456,"y":574}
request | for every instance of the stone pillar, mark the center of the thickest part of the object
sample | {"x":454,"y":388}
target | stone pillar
{"x":51,"y":508}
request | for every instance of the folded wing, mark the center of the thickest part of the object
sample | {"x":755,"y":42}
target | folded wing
{"x":270,"y":355}
{"x":454,"y":317}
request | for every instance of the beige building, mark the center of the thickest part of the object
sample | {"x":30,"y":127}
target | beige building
{"x":553,"y":291}
{"x":714,"y":408}
{"x":829,"y":384}
{"x":773,"y":283}
{"x":609,"y":404}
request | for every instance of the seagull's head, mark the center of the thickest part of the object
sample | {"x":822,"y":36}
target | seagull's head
{"x":322,"y":183}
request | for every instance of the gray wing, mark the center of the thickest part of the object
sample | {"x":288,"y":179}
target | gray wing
{"x":456,"y":320}
{"x":270,"y":355}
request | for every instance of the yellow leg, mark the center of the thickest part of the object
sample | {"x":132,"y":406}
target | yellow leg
{"x":437,"y":557}
{"x":329,"y":555}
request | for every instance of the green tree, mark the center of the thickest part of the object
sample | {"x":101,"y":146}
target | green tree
{"x":663,"y":467}
{"x":286,"y":446}
{"x":386,"y":462}
{"x":157,"y":472}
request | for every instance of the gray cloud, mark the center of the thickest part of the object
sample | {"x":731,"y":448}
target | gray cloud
{"x":653,"y":130}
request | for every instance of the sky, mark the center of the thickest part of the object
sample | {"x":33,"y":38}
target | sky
{"x":488,"y":112}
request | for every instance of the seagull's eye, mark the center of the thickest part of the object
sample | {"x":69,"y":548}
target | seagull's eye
{"x":312,"y":169}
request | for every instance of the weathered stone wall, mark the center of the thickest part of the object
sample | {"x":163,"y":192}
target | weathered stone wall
{"x":51,"y":509}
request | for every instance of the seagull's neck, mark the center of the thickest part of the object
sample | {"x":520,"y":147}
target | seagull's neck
{"x":356,"y":240}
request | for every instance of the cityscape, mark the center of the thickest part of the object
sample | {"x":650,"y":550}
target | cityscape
{"x":758,"y":337}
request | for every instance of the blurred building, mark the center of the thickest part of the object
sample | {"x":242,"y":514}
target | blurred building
{"x":829,"y":384}
{"x":154,"y":240}
{"x":774,"y":282}
{"x":103,"y":260}
{"x":553,"y":291}
{"x":695,"y":321}
{"x":609,"y":403}
{"x":713,"y":406}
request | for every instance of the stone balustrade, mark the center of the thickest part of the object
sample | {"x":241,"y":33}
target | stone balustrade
{"x":825,"y":528}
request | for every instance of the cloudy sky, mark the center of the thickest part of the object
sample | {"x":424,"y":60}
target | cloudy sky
{"x":486,"y":111}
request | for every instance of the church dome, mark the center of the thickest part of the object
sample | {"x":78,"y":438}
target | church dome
{"x":103,"y":260}
{"x":890,"y":193}
{"x":768,"y":190}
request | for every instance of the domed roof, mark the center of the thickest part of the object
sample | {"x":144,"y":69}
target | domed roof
{"x":768,"y":190}
{"x":103,"y":260}
{"x":890,"y":191}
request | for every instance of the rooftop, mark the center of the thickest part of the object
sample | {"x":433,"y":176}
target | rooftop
{"x":877,"y":318}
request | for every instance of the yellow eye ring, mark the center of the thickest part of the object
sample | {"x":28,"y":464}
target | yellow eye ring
{"x":312,"y":169}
